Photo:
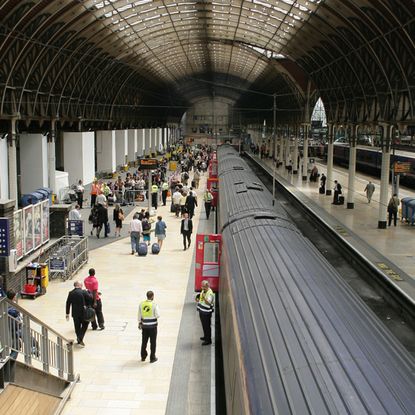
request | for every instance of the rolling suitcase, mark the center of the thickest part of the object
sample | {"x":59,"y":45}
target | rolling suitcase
{"x":155,"y":248}
{"x":142,"y":249}
{"x":341,"y":200}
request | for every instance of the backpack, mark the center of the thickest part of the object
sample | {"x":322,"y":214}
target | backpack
{"x":186,"y":175}
{"x":146,"y":225}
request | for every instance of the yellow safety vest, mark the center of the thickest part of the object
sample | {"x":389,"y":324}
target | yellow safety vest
{"x":202,"y":305}
{"x":208,"y":197}
{"x":154,"y":188}
{"x":148,"y":319}
{"x":165,"y":186}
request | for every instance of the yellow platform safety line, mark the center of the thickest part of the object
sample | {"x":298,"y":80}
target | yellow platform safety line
{"x":341,"y":230}
{"x":389,"y":272}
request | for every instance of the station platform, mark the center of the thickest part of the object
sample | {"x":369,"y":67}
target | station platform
{"x":389,"y":250}
{"x":113,"y":380}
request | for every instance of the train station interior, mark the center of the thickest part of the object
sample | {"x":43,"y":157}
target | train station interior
{"x":287,"y":129}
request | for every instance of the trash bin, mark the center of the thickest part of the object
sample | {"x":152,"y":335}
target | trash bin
{"x":47,"y":192}
{"x":32,"y":198}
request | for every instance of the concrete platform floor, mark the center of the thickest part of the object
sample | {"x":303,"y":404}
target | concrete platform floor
{"x":113,"y":379}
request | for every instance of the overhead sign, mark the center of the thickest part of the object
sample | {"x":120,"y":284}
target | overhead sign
{"x":4,"y":237}
{"x":148,"y":164}
{"x":402,"y":167}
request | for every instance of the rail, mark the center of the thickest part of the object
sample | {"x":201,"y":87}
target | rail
{"x":25,"y":338}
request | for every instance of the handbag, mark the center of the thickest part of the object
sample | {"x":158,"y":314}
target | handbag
{"x":120,"y":216}
{"x":89,"y":313}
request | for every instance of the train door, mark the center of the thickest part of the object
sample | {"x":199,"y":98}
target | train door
{"x":207,"y":267}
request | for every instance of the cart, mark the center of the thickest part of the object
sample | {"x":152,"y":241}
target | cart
{"x":37,"y":279}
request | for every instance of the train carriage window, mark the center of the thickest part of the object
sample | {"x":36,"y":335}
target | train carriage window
{"x":211,"y":252}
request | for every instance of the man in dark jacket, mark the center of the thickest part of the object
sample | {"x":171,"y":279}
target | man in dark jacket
{"x":78,"y":299}
{"x":186,"y":229}
{"x":102,"y":219}
{"x":191,"y":202}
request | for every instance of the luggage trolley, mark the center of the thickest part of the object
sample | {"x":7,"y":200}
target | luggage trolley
{"x":37,"y":279}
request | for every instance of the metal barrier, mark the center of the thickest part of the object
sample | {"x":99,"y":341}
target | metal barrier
{"x":25,"y":338}
{"x":67,"y":255}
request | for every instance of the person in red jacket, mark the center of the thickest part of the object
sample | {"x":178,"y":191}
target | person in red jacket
{"x":91,"y":284}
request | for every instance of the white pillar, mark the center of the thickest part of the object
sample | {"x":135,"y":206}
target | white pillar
{"x":147,"y":138}
{"x":106,"y":161}
{"x":132,"y":145}
{"x":121,"y":147}
{"x":287,"y":148}
{"x":165,"y":138}
{"x":140,"y":142}
{"x":79,"y":156}
{"x":352,"y":168}
{"x":330,"y":160}
{"x":12,"y":162}
{"x":4,"y":170}
{"x":34,"y":151}
{"x":384,"y":179}
{"x":153,"y":133}
{"x":295,"y":156}
{"x":305,"y":151}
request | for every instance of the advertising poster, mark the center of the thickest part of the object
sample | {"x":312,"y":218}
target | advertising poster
{"x":45,"y":221}
{"x":37,"y":224}
{"x":18,"y":233}
{"x":28,"y":229}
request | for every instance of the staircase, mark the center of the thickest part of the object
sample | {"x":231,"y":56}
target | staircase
{"x":36,"y":364}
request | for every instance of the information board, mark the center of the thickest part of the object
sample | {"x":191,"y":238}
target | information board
{"x":148,"y":164}
{"x":402,"y":167}
{"x":4,"y":237}
{"x":76,"y":227}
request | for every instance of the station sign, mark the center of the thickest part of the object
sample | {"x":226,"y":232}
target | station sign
{"x":4,"y":237}
{"x":402,"y":167}
{"x":148,"y":164}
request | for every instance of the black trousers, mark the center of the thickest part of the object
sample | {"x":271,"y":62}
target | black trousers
{"x":154,"y":200}
{"x":149,"y":333}
{"x":336,"y":197}
{"x":392,"y":214}
{"x":93,"y":200}
{"x":80,"y":327}
{"x":98,"y":316}
{"x":164,"y":197}
{"x":205,"y":319}
{"x":208,"y":206}
{"x":80,"y":198}
{"x":186,"y":236}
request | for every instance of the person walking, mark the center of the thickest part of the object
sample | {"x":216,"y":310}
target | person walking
{"x":369,"y":190}
{"x":102,"y":220}
{"x":146,"y":225}
{"x":196,"y":178}
{"x":164,"y":191}
{"x":393,"y":205}
{"x":91,"y":284}
{"x":186,"y":229}
{"x":80,"y":189}
{"x":207,"y":198}
{"x":154,"y":195}
{"x":337,"y":192}
{"x":205,"y":303}
{"x":160,"y":231}
{"x":78,"y":299}
{"x":118,"y":217}
{"x":176,"y":201}
{"x":135,"y":231}
{"x":183,"y":200}
{"x":323,"y":179}
{"x":95,"y":191}
{"x":148,"y":314}
{"x":191,"y":202}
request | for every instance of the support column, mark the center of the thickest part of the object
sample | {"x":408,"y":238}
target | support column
{"x":384,"y":179}
{"x":140,"y":142}
{"x":35,"y":160}
{"x":121,"y":147}
{"x":79,"y":156}
{"x":106,"y":154}
{"x":4,"y":169}
{"x":287,"y":147}
{"x":51,"y":139}
{"x":305,"y":151}
{"x":330,"y":159}
{"x":295,"y":156}
{"x":147,"y":138}
{"x":132,"y":145}
{"x":12,"y":162}
{"x":352,"y":166}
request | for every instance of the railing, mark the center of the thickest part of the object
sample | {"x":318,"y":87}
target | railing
{"x":25,"y":338}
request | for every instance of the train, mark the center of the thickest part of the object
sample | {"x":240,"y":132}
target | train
{"x":295,"y":338}
{"x":369,"y":160}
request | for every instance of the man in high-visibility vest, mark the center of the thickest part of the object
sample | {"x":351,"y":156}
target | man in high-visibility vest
{"x":205,"y":302}
{"x":148,"y":313}
{"x":208,"y":198}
